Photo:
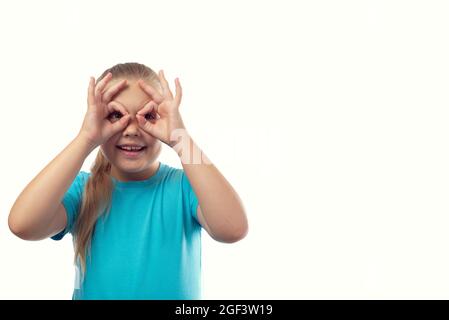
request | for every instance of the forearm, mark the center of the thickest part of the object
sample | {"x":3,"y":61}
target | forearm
{"x":220,"y":204}
{"x":36,"y":205}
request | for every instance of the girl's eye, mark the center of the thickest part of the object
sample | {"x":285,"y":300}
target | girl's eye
{"x":150,"y":116}
{"x":115,"y":115}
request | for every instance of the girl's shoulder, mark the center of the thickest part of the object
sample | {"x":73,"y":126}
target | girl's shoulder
{"x":84,"y":175}
{"x":171,"y":172}
{"x":178,"y":176}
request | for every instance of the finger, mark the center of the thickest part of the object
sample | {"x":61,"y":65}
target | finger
{"x":115,"y":106}
{"x":102,"y":83}
{"x":110,"y":92}
{"x":146,"y":125}
{"x":150,"y":107}
{"x":90,"y":92}
{"x":117,"y":126}
{"x":151,"y":91}
{"x":178,"y":92}
{"x":144,"y":122}
{"x":165,"y":86}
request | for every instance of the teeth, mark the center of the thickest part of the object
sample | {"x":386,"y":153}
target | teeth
{"x":132,"y":148}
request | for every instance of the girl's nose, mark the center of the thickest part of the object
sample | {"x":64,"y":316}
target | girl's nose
{"x":132,"y":126}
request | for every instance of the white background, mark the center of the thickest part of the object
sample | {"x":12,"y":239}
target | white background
{"x":328,"y":117}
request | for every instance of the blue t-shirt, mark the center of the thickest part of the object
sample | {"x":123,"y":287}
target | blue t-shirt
{"x":148,"y":247}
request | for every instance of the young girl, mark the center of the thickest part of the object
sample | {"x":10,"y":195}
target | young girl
{"x":136,"y":222}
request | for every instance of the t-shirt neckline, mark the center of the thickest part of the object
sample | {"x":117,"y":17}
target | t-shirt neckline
{"x":139,"y":183}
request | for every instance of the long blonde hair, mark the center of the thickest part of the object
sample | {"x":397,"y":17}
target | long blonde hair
{"x":97,"y":194}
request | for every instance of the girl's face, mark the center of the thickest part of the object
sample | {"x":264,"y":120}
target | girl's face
{"x":128,"y":165}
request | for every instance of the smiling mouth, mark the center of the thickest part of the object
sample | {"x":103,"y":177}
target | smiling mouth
{"x":131,"y":152}
{"x":132,"y":149}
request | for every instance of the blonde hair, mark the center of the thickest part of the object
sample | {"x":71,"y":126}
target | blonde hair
{"x":97,"y":194}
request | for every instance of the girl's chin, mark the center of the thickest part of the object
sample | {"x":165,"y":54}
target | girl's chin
{"x":129,"y":167}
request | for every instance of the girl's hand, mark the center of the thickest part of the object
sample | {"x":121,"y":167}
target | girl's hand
{"x":97,"y":128}
{"x":164,"y":111}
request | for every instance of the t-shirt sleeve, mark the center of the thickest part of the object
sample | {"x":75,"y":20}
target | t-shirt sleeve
{"x":189,"y":196}
{"x":72,"y":203}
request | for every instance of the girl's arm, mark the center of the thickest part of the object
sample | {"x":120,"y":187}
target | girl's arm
{"x":220,"y":210}
{"x":36,"y":213}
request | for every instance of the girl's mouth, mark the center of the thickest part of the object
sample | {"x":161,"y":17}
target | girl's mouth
{"x":131,"y":153}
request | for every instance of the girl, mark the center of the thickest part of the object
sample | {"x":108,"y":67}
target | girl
{"x":136,"y":222}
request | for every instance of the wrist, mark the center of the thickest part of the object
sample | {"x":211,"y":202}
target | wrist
{"x":178,"y":138}
{"x":85,"y":142}
{"x":181,"y":141}
{"x":187,"y":150}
